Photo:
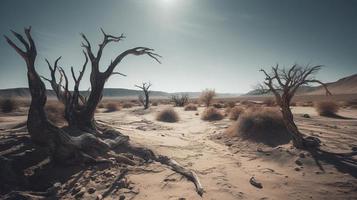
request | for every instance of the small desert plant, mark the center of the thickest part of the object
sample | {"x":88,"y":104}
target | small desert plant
{"x":155,"y":103}
{"x":190,"y":107}
{"x":8,"y":105}
{"x":127,"y":105}
{"x":180,"y":100}
{"x":235,"y":112}
{"x":167,"y":115}
{"x":218,"y":105}
{"x":112,"y":107}
{"x":269,"y":102}
{"x":326,"y":108}
{"x":263,"y":125}
{"x":207,"y":96}
{"x":230,"y":104}
{"x":211,"y":114}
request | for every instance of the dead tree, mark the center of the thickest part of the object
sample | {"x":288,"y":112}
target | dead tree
{"x":71,"y":145}
{"x":284,"y":84}
{"x":145,"y":102}
{"x":180,"y":100}
{"x":207,"y":96}
{"x":79,"y":110}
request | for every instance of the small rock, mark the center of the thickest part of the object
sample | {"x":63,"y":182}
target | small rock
{"x":219,"y":137}
{"x":181,"y":198}
{"x":298,"y":162}
{"x":122,"y":197}
{"x":306,"y":116}
{"x":99,"y":197}
{"x":162,"y":135}
{"x":91,"y":190}
{"x":255,"y":183}
{"x":297,"y":169}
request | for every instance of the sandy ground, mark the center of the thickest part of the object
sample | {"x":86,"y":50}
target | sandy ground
{"x":225,"y":168}
{"x":225,"y":165}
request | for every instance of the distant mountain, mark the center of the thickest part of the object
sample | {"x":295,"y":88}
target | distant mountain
{"x":107,"y":92}
{"x":347,"y":85}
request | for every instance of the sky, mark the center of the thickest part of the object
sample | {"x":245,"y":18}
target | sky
{"x":218,"y":44}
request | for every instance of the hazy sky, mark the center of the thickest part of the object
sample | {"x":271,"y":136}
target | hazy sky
{"x":217,"y":44}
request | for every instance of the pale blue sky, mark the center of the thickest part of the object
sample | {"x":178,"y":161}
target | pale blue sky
{"x":217,"y":44}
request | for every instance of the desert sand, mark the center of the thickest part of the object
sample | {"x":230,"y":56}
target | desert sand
{"x":224,"y":164}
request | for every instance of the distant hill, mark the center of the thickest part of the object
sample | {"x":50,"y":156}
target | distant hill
{"x":347,"y":85}
{"x":107,"y":93}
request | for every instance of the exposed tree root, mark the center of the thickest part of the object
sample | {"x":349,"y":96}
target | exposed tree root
{"x":191,"y":175}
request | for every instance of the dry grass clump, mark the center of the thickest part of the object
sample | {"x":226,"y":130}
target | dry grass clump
{"x":127,"y":105}
{"x":218,"y":105}
{"x":326,"y":108}
{"x":269,"y":102}
{"x":155,"y":103}
{"x":55,"y":112}
{"x":8,"y":105}
{"x":112,"y":107}
{"x":230,"y":104}
{"x":167,"y":115}
{"x":180,"y":100}
{"x":235,"y":112}
{"x":211,"y":114}
{"x":263,"y":125}
{"x":190,"y":107}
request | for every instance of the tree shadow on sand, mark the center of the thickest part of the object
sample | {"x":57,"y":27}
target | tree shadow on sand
{"x":343,"y":162}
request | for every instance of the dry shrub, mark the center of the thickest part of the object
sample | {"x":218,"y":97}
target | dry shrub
{"x":190,"y":107}
{"x":326,"y":108}
{"x":127,"y":105}
{"x":55,"y":112}
{"x":112,"y":107}
{"x":293,"y":103}
{"x":8,"y":105}
{"x":218,"y":105}
{"x":211,"y":114}
{"x":180,"y":100}
{"x":155,"y":103}
{"x":269,"y":102}
{"x":264,"y":125}
{"x":207,"y":96}
{"x":235,"y":112}
{"x":230,"y":104}
{"x":167,"y":115}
